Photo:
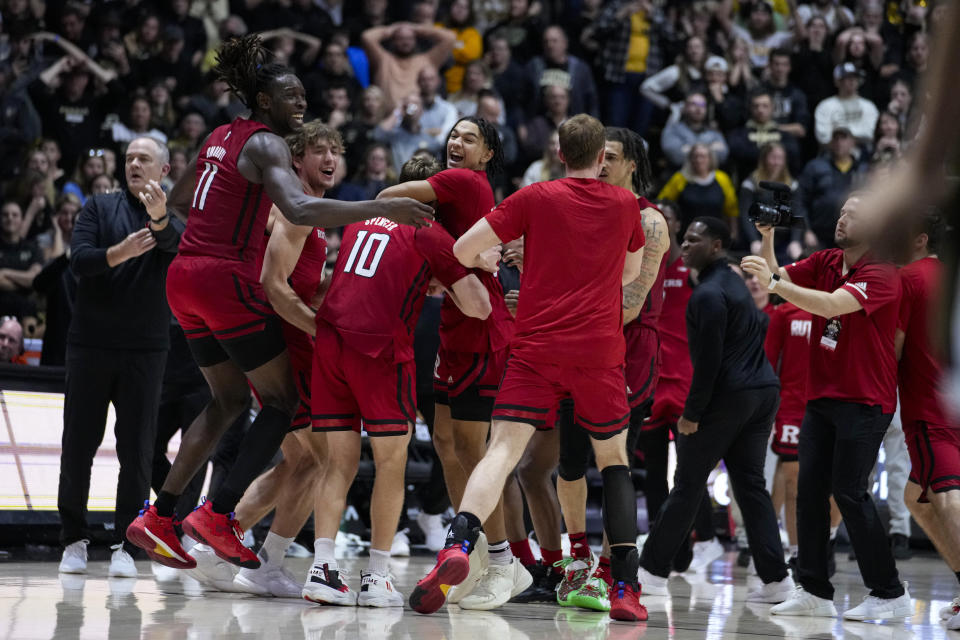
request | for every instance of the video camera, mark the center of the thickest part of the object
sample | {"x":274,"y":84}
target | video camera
{"x":780,"y":213}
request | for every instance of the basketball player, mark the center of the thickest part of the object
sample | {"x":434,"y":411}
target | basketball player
{"x":569,"y":342}
{"x":213,"y":289}
{"x":363,"y":373}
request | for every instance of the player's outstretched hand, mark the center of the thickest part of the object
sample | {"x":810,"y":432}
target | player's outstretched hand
{"x":405,"y":211}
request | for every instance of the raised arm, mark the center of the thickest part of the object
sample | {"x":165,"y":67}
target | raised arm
{"x":821,"y":303}
{"x":373,"y":43}
{"x":443,"y":41}
{"x":73,"y":50}
{"x":657,"y":244}
{"x":420,"y":190}
{"x":283,"y":251}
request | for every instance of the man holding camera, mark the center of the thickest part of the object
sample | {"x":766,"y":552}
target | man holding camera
{"x":851,"y":397}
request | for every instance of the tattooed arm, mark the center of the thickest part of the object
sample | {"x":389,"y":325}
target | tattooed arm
{"x":658,"y":243}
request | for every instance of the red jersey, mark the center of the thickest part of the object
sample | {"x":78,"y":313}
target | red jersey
{"x":788,"y":349}
{"x":576,"y":236}
{"x":228,"y":213}
{"x":650,"y":313}
{"x":920,"y":370}
{"x":463,"y":197}
{"x":852,"y":357}
{"x":380,"y":281}
{"x":676,"y":370}
{"x":308,"y":274}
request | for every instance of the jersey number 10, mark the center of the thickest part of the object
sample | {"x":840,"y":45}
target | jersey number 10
{"x":203,"y":185}
{"x":363,"y":267}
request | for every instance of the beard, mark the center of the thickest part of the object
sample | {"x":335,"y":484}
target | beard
{"x":844,"y":241}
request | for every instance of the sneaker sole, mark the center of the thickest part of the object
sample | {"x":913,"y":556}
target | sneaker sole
{"x":158,"y":550}
{"x":431,"y":592}
{"x":822,"y":612}
{"x":348,"y":599}
{"x":588,"y":603}
{"x":191,"y":531}
{"x":244,"y":585}
{"x":379,"y":603}
{"x":628,"y":615}
{"x":901,"y":612}
{"x":772,"y":599}
{"x":79,"y":572}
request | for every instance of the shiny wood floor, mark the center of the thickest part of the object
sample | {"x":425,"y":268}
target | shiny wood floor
{"x":37,"y":603}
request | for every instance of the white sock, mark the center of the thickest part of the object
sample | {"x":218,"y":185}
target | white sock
{"x":379,"y":562}
{"x":273,"y":549}
{"x":833,"y":532}
{"x":793,"y":550}
{"x":323,"y":552}
{"x":500,"y":554}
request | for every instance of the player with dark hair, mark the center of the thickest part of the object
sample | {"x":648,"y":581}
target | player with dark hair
{"x":213,"y":288}
{"x":472,"y":354}
{"x":569,"y":343}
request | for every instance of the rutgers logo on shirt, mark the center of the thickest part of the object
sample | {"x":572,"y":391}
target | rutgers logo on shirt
{"x":790,"y":434}
{"x":800,"y":328}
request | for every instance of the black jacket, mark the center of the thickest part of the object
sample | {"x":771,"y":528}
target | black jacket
{"x":726,"y":333}
{"x":123,"y":307}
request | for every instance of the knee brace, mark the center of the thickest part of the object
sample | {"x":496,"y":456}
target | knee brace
{"x":575,"y":446}
{"x":619,"y":505}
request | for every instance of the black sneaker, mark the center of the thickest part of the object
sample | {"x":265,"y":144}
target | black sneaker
{"x":743,"y":557}
{"x":544,"y":587}
{"x":900,"y":544}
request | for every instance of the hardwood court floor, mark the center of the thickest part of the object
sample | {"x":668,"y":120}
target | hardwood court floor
{"x":37,"y":603}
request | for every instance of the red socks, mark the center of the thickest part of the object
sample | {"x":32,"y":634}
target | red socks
{"x":579,"y":548}
{"x":603,"y":571}
{"x":521,"y":550}
{"x":551,"y":556}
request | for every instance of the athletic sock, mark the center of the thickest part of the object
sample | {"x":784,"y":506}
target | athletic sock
{"x":499,"y":553}
{"x":166,"y":503}
{"x":273,"y":550}
{"x":579,"y":548}
{"x":551,"y":557}
{"x":522,"y":551}
{"x":379,"y":562}
{"x":464,"y":527}
{"x":323,"y":552}
{"x":833,"y":532}
{"x":603,"y":571}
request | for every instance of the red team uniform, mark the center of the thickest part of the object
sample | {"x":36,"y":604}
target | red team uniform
{"x":788,"y":349}
{"x":676,"y":372}
{"x":933,"y":440}
{"x":363,"y":367}
{"x":569,"y":335}
{"x":472,"y":352}
{"x":213,"y":285}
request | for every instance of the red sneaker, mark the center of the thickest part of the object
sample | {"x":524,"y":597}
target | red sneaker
{"x":624,"y":603}
{"x":451,"y":569}
{"x":222,"y":533}
{"x":156,"y":536}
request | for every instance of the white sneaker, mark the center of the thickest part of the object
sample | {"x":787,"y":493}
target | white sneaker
{"x":74,"y":558}
{"x":773,"y":592}
{"x":121,"y":563}
{"x":297,"y":550}
{"x":705,"y":553}
{"x":651,"y":585}
{"x":499,"y":584}
{"x":325,"y":585}
{"x":954,"y":623}
{"x":479,"y":560}
{"x":433,"y":529}
{"x":874,"y":608}
{"x":401,"y":545}
{"x":951,"y":609}
{"x":801,"y":603}
{"x":377,"y":590}
{"x":269,"y":580}
{"x":211,"y":571}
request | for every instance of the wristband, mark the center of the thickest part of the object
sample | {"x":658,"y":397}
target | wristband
{"x":165,"y":217}
{"x":774,"y":279}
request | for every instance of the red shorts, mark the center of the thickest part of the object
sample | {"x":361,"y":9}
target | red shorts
{"x":786,"y":438}
{"x":300,"y":347}
{"x":349,"y":387}
{"x":668,"y":404}
{"x":531,"y":391}
{"x":642,"y":363}
{"x":457,"y":371}
{"x":934,"y":455}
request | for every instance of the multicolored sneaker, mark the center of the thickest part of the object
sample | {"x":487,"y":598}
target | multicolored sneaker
{"x":452,"y":568}
{"x":156,"y":535}
{"x":594,"y":595}
{"x":325,"y":585}
{"x":576,"y":572}
{"x":624,"y":603}
{"x":222,"y":533}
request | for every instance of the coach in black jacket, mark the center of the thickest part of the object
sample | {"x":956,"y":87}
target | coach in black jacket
{"x":121,"y":247}
{"x":728,"y":414}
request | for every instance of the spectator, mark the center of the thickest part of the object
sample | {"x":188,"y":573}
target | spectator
{"x":477,"y":78}
{"x":179,"y":161}
{"x":51,"y":148}
{"x":846,"y":109}
{"x":917,"y":58}
{"x":11,"y":341}
{"x":724,"y":105}
{"x":137,"y":124}
{"x":104,"y":184}
{"x":771,"y":167}
{"x":741,"y":77}
{"x":172,"y":64}
{"x":194,"y":34}
{"x":700,"y":189}
{"x":335,"y":107}
{"x":89,"y":166}
{"x":439,"y":116}
{"x":557,"y":67}
{"x":334,"y":69}
{"x":692,"y":128}
{"x":866,"y":55}
{"x":490,"y":108}
{"x":790,"y":109}
{"x":825,"y":183}
{"x":887,"y":140}
{"x":358,"y":133}
{"x":670,"y":86}
{"x":33,"y":192}
{"x":395,"y":71}
{"x":20,"y":262}
{"x":760,"y":34}
{"x":73,"y":26}
{"x":835,"y":16}
{"x":813,"y":63}
{"x":214,"y":102}
{"x":468,"y":45}
{"x":372,"y":176}
{"x":522,"y":30}
{"x":39,"y":163}
{"x":509,"y":79}
{"x":190,"y":133}
{"x":144,"y":42}
{"x":116,"y":347}
{"x":901,"y":105}
{"x":579,"y":23}
{"x":57,"y":284}
{"x":759,"y":130}
{"x":163,"y":114}
{"x":19,"y":123}
{"x":408,"y":135}
{"x":535,"y":133}
{"x":549,"y":167}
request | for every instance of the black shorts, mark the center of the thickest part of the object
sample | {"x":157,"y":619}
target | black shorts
{"x":469,"y":406}
{"x":248,"y":351}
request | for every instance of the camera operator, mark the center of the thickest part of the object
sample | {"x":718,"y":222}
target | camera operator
{"x":851,"y":397}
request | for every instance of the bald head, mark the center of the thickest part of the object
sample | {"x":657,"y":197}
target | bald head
{"x":404,"y":41}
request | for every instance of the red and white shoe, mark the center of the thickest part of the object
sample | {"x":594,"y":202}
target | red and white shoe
{"x":624,"y":603}
{"x":325,"y":585}
{"x":155,"y":535}
{"x":451,"y":569}
{"x":222,"y":533}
